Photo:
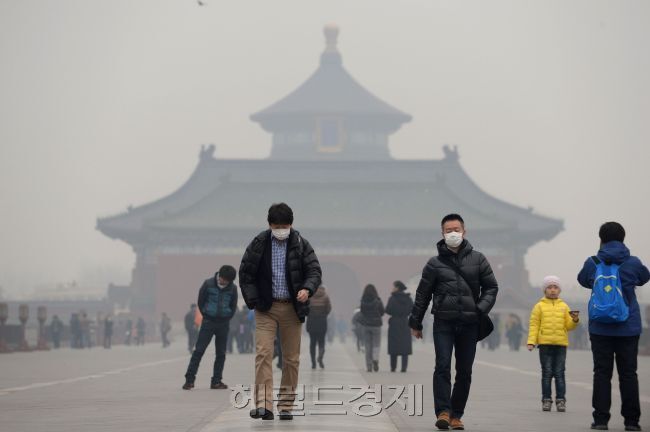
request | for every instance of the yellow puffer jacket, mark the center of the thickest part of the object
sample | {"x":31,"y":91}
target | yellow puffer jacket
{"x":550,"y":323}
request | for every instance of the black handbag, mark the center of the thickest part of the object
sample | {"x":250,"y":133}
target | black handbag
{"x":485,"y":324}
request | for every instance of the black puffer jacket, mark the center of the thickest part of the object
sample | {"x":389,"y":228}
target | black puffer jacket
{"x":372,"y":309}
{"x":302,"y":270}
{"x":453,"y":298}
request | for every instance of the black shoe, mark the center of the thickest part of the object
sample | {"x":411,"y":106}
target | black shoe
{"x":218,"y":386}
{"x":321,"y":364}
{"x":188,"y":385}
{"x":369,"y":368}
{"x":261,"y":413}
{"x":375,"y":366}
{"x":599,"y":426}
{"x":635,"y":427}
{"x":286,"y":415}
{"x":313,"y":365}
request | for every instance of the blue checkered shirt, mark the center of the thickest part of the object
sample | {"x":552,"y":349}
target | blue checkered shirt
{"x":278,"y":265}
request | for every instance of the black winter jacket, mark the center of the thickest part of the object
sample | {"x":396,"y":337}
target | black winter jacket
{"x":255,"y":272}
{"x":453,"y":298}
{"x":372,"y":309}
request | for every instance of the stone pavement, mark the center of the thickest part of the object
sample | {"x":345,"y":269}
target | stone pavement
{"x":138,"y":389}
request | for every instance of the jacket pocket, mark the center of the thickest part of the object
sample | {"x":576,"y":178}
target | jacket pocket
{"x":438,"y":300}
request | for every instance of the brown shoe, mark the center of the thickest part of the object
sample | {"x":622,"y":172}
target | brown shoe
{"x":218,"y":386}
{"x":443,"y":421}
{"x":456,"y":424}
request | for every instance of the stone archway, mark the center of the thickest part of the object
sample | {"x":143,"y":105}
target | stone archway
{"x":343,"y":288}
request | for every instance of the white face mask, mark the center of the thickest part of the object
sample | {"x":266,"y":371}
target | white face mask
{"x":281,"y":234}
{"x":453,"y":239}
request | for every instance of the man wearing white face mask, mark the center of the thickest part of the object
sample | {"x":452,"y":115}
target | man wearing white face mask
{"x":278,"y":273}
{"x":462,"y":286}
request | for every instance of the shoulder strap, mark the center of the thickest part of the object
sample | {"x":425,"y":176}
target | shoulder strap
{"x":596,"y":260}
{"x":458,"y":271}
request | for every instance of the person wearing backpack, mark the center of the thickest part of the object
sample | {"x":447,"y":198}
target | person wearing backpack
{"x":550,"y":321}
{"x":217,"y":303}
{"x":614,"y":324}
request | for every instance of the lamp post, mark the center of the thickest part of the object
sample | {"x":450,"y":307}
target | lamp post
{"x":23,"y":316}
{"x":4,"y":315}
{"x":41,"y":314}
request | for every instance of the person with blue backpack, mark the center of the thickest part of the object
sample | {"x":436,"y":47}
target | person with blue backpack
{"x":218,"y":304}
{"x":614,"y":324}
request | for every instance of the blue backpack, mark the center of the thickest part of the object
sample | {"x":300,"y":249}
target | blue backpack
{"x":607,"y":304}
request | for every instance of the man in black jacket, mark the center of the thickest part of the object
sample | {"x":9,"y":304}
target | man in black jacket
{"x":462,"y":286}
{"x":217,"y":303}
{"x":278,"y":273}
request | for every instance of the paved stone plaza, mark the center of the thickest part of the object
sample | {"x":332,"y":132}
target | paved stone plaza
{"x":139,"y":389}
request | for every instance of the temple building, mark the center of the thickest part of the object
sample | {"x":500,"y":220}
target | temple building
{"x":370,"y":218}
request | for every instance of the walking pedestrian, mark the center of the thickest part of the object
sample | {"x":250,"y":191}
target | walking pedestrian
{"x":56,"y":330}
{"x":165,"y":328}
{"x":108,"y":331}
{"x":317,"y":325}
{"x":463,"y":288}
{"x":191,"y":328}
{"x":278,"y":274}
{"x":400,"y":342}
{"x":372,"y":309}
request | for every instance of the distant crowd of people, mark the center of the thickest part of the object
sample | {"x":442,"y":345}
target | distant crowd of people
{"x":83,"y":332}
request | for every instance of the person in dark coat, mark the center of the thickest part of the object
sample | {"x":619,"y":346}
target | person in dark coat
{"x":372,"y":309}
{"x":218,"y":304}
{"x":617,"y":340}
{"x":56,"y":330}
{"x":75,"y":331}
{"x":399,"y":334}
{"x":165,"y":328}
{"x":191,"y":327}
{"x":317,"y":325}
{"x":279,"y":272}
{"x":514,"y":331}
{"x":108,"y":331}
{"x":461,"y":285}
{"x":140,"y":327}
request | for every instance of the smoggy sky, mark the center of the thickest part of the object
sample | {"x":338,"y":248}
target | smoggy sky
{"x":105,"y":104}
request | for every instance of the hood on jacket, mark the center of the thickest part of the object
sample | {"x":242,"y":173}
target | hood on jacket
{"x":613,"y":252}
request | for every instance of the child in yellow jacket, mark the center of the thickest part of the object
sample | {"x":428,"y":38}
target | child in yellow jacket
{"x":550,"y":323}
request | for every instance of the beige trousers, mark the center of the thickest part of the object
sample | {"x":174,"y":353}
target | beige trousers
{"x":282,"y":316}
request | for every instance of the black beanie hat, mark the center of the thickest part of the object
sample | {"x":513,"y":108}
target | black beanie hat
{"x":228,"y":273}
{"x":399,"y":285}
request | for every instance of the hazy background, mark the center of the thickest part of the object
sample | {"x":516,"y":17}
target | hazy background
{"x":105,"y":104}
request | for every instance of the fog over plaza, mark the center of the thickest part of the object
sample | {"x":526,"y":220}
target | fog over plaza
{"x":105,"y":104}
